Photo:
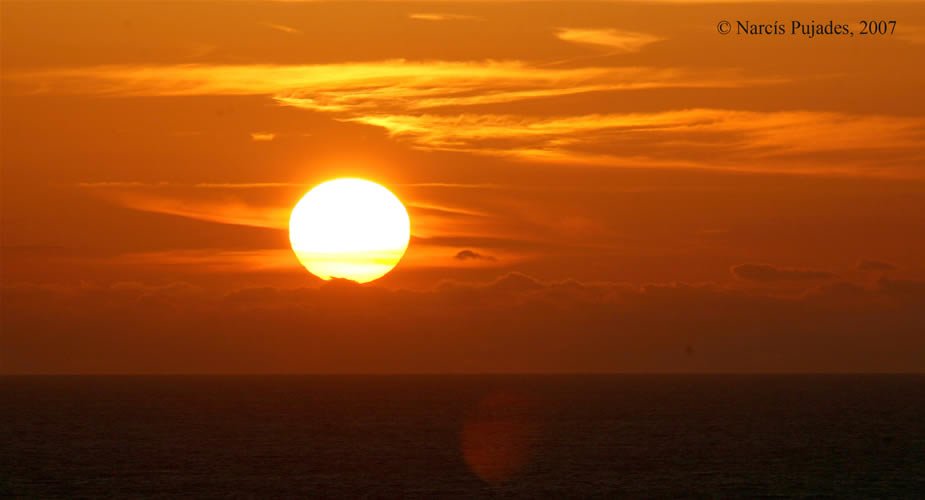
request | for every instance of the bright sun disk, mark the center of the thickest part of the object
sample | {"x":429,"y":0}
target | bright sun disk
{"x":349,"y":228}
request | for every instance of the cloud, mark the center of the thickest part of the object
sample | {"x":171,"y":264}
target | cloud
{"x":358,"y":88}
{"x":688,"y":138}
{"x":906,"y":291}
{"x":283,"y":28}
{"x":764,"y":273}
{"x":440,"y":16}
{"x":620,"y":41}
{"x":446,"y":106}
{"x":235,"y":212}
{"x":239,"y":206}
{"x":472,"y":255}
{"x":448,"y":85}
{"x":202,"y":185}
{"x":215,"y":260}
{"x":438,"y":230}
{"x":515,"y":323}
{"x":262,"y":136}
{"x":874,"y":265}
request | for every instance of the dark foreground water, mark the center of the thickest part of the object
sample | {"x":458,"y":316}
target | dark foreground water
{"x":463,"y":436}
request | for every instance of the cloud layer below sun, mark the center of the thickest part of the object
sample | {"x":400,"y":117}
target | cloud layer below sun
{"x":512,"y":324}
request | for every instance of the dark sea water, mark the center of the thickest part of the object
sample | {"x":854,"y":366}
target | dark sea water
{"x":463,"y":436}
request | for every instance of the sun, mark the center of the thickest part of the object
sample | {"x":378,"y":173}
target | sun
{"x":349,"y":228}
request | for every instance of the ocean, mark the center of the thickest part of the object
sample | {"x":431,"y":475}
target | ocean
{"x":448,"y":436}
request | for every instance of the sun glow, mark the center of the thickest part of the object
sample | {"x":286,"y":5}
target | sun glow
{"x":349,"y":228}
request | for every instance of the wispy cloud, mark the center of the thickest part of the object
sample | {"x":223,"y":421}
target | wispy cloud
{"x":874,"y":265}
{"x":764,"y":273}
{"x":262,"y":136}
{"x":620,"y":41}
{"x":442,"y":105}
{"x":430,"y":218}
{"x":379,"y":86}
{"x":454,"y":85}
{"x":439,"y":229}
{"x":788,"y":141}
{"x":465,"y":255}
{"x":440,"y":16}
{"x":222,"y":212}
{"x":412,"y":185}
{"x":216,"y":260}
{"x":203,"y":185}
{"x":282,"y":28}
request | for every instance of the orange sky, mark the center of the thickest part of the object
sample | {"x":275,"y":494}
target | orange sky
{"x":592,"y":187}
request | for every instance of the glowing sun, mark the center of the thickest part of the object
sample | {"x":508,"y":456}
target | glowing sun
{"x":349,"y":228}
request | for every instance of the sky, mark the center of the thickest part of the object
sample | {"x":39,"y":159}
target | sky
{"x":592,"y":187}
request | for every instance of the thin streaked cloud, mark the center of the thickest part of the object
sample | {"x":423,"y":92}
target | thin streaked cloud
{"x":121,"y":184}
{"x":441,"y":105}
{"x":424,"y":186}
{"x":440,"y":16}
{"x":359,"y":87}
{"x":439,"y":227}
{"x":237,"y":213}
{"x":617,"y":40}
{"x":262,"y":136}
{"x":786,"y":141}
{"x":282,"y":28}
{"x":215,"y":260}
{"x":204,"y":185}
{"x":424,"y":254}
{"x":246,"y":185}
{"x":431,"y":217}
